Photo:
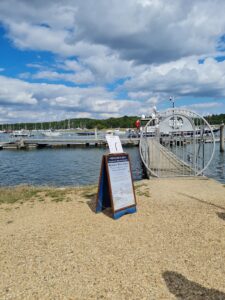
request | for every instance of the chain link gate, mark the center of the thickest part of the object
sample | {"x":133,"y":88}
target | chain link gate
{"x":176,"y":143}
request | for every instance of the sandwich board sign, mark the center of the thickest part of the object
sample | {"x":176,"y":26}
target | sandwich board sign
{"x":115,"y":189}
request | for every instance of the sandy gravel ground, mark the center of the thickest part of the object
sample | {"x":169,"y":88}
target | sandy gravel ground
{"x":173,"y":248}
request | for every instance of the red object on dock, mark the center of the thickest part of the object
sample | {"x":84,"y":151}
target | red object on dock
{"x":138,"y":124}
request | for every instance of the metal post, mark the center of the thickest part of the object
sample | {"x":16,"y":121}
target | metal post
{"x":222,"y":137}
{"x":96,"y":134}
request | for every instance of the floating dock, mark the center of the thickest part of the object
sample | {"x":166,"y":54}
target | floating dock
{"x":63,"y":143}
{"x":25,"y":143}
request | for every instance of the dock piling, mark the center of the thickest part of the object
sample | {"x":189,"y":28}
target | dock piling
{"x":222,"y":137}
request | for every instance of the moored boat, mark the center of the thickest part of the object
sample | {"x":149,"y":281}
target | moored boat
{"x":51,"y":133}
{"x":20,"y":133}
{"x":85,"y":133}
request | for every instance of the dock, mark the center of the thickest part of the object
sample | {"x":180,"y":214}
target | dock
{"x":63,"y":143}
{"x":28,"y":143}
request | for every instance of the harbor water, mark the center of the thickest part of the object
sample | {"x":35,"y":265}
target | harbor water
{"x":58,"y":167}
{"x":74,"y":166}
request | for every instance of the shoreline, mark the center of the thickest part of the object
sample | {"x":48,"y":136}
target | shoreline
{"x":174,"y":246}
{"x":95,"y":185}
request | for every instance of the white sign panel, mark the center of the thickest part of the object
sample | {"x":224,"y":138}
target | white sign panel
{"x":114,"y":144}
{"x":121,"y":182}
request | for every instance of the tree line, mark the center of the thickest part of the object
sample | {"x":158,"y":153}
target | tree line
{"x":216,"y":119}
{"x":87,"y":123}
{"x":83,"y":123}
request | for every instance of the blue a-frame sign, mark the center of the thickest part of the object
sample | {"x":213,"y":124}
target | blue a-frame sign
{"x":105,"y":197}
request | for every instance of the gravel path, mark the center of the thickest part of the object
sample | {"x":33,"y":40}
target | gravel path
{"x":172,"y":248}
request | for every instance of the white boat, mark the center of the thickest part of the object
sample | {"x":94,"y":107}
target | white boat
{"x":20,"y":133}
{"x":117,"y":131}
{"x":51,"y":133}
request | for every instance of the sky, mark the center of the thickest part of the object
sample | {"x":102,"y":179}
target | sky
{"x":98,"y":59}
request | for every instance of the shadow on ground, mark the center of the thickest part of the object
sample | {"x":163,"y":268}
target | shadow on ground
{"x":221,"y":215}
{"x":92,"y":205}
{"x":184,"y":289}
{"x":89,"y":199}
{"x":202,"y":201}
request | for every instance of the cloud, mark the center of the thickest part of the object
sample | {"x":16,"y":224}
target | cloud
{"x":85,"y":76}
{"x":27,"y":101}
{"x":143,"y":50}
{"x":23,"y":101}
{"x":105,"y":67}
{"x":139,"y":95}
{"x":39,"y":37}
{"x":35,"y":66}
{"x":94,"y":69}
{"x":141,"y":31}
{"x":185,"y":77}
{"x":13,"y":91}
{"x":153,"y":31}
{"x":205,"y":105}
{"x":109,"y":67}
{"x":203,"y":108}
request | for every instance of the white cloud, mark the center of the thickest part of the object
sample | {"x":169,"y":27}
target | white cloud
{"x":144,"y":31}
{"x":158,"y":32}
{"x":84,"y":76}
{"x":93,"y":69}
{"x":22,"y":101}
{"x":14,"y":91}
{"x":38,"y":37}
{"x":153,"y":45}
{"x":71,"y":65}
{"x":185,"y":77}
{"x":35,"y":66}
{"x":139,"y":95}
{"x":109,"y":67}
{"x":205,"y":105}
{"x":152,"y":101}
{"x":55,"y":101}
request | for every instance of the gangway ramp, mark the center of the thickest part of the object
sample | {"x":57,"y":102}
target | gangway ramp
{"x":163,"y":162}
{"x":176,"y":143}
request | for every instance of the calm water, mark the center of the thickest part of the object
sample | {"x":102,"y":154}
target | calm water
{"x":61,"y":167}
{"x":57,"y":167}
{"x":216,"y":169}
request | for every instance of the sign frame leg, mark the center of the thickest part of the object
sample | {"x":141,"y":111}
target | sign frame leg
{"x":128,"y":210}
{"x":103,"y":197}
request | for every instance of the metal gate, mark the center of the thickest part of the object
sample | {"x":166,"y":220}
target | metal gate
{"x":176,"y":143}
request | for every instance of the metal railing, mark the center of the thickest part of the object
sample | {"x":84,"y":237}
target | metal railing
{"x":177,"y":153}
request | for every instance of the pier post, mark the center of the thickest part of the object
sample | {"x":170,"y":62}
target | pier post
{"x":222,"y":137}
{"x":96,"y":133}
